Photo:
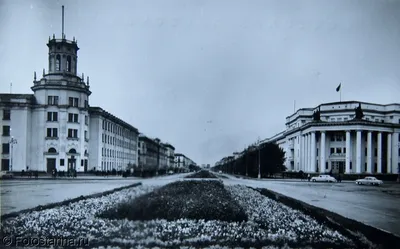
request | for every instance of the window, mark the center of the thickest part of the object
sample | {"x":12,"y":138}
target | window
{"x":6,"y":130}
{"x":376,"y":152}
{"x":339,"y":150}
{"x":62,"y":162}
{"x":52,"y":132}
{"x":6,"y":148}
{"x":366,"y":153}
{"x":52,"y":116}
{"x":73,"y":102}
{"x":52,"y":100}
{"x":344,"y":150}
{"x":73,"y":117}
{"x":345,"y":119}
{"x":86,"y":135}
{"x":86,"y":120}
{"x":86,"y":104}
{"x":5,"y":164}
{"x":68,"y":63}
{"x":72,"y":133}
{"x":58,"y":62}
{"x":7,"y":114}
{"x":332,"y":150}
{"x":52,"y":150}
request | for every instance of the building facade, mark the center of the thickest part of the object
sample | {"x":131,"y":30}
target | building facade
{"x":182,"y":161}
{"x":113,"y":143}
{"x":339,"y":143}
{"x":170,"y":155}
{"x":54,"y":128}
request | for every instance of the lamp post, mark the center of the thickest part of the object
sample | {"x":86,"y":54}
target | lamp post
{"x":259,"y":167}
{"x":12,"y":142}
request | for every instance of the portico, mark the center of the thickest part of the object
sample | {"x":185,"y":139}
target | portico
{"x":349,"y":148}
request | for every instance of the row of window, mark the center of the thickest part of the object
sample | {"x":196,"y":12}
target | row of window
{"x":72,"y":133}
{"x":72,"y":117}
{"x":72,"y":102}
{"x":116,"y":154}
{"x":118,"y":130}
{"x":116,"y":141}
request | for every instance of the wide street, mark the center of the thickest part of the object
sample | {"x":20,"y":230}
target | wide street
{"x":375,"y":206}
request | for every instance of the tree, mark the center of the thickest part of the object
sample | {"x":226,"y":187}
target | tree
{"x":272,"y":159}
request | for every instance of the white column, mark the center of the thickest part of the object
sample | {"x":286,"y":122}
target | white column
{"x":395,"y":153}
{"x":306,"y":156}
{"x":302,"y":152}
{"x":358,"y":152}
{"x":313,"y":151}
{"x":309,"y":153}
{"x":379,"y":148}
{"x":348,"y":151}
{"x":322,"y":161}
{"x":369,"y":152}
{"x":389,"y":154}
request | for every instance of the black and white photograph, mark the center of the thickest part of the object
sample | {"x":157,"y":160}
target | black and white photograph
{"x":209,"y":124}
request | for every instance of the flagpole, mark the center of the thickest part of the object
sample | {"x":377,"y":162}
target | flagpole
{"x":340,"y":91}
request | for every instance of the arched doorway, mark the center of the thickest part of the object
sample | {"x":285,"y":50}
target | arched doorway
{"x":51,"y":161}
{"x":72,"y":159}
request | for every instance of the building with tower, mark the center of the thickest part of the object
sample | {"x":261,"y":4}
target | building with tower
{"x":55,"y":128}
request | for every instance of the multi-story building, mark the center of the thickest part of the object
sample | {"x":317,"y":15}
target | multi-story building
{"x":170,"y":155}
{"x":54,"y":128}
{"x":113,"y":142}
{"x":182,"y":161}
{"x":341,"y":143}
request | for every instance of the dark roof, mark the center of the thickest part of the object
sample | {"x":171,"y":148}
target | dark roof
{"x":6,"y":99}
{"x":102,"y":112}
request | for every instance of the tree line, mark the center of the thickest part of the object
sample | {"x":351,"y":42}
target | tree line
{"x":269,"y":156}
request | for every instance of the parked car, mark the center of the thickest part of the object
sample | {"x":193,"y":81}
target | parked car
{"x":220,"y":171}
{"x":170,"y":172}
{"x":6,"y":174}
{"x":323,"y":178}
{"x":369,"y":180}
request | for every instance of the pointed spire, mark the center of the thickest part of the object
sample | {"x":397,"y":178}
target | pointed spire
{"x":83,"y":77}
{"x":54,"y":36}
{"x":49,"y":38}
{"x":87,"y":81}
{"x":43,"y":72}
{"x":34,"y":75}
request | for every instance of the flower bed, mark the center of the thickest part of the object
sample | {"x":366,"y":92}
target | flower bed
{"x":269,"y":224}
{"x":202,"y":174}
{"x":207,"y":200}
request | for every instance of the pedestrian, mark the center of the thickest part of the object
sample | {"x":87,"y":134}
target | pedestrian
{"x":340,"y":178}
{"x":309,"y":177}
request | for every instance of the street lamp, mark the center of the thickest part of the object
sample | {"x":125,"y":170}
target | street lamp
{"x":259,"y":167}
{"x":12,"y":142}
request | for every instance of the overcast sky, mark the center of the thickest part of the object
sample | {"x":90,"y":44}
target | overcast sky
{"x":211,"y":76}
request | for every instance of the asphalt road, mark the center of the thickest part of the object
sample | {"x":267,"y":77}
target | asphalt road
{"x":375,"y":206}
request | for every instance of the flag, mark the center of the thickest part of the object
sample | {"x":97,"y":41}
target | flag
{"x":338,"y":88}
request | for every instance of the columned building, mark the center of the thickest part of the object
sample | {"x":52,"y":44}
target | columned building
{"x":339,"y":142}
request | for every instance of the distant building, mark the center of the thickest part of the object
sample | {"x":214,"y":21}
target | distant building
{"x":339,"y":142}
{"x":170,"y":155}
{"x":54,"y":128}
{"x":153,"y":154}
{"x":182,"y":161}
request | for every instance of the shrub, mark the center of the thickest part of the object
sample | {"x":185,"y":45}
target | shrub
{"x":207,"y":200}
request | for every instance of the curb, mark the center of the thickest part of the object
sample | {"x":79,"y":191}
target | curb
{"x":347,"y":226}
{"x":66,"y":202}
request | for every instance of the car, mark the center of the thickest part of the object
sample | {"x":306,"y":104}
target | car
{"x":6,"y":174}
{"x":323,"y":178}
{"x":369,"y":180}
{"x":170,"y":172}
{"x":220,"y":172}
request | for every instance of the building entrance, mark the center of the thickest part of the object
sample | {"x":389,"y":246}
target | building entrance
{"x":338,"y":167}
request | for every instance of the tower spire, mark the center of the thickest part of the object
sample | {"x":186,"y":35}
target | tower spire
{"x":62,"y":23}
